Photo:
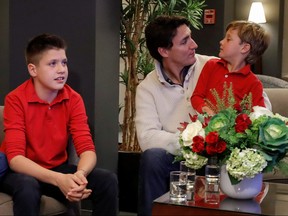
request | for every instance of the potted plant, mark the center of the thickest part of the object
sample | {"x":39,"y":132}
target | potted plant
{"x":135,"y":15}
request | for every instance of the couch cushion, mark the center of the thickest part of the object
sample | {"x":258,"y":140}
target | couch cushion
{"x":49,"y":206}
{"x":6,"y":204}
{"x":278,"y":98}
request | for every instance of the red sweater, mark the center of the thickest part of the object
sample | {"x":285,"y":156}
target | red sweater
{"x":39,"y":131}
{"x":213,"y":76}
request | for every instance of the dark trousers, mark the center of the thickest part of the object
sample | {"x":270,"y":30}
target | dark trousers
{"x":154,"y":173}
{"x":26,"y":191}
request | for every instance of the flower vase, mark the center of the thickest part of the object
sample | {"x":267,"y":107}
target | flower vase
{"x":248,"y":188}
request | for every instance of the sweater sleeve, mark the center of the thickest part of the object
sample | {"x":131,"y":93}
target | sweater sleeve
{"x":150,"y":131}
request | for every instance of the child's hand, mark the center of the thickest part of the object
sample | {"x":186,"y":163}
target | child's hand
{"x":206,"y":109}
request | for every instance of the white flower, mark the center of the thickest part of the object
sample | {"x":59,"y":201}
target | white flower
{"x":259,"y":111}
{"x":193,"y":129}
{"x":245,"y":163}
{"x":194,"y":160}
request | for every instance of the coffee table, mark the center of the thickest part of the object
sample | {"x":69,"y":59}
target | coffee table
{"x":272,"y":201}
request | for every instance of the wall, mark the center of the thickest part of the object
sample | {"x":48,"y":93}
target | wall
{"x":272,"y":58}
{"x":91,"y":29}
{"x":4,"y":49}
{"x":209,"y":36}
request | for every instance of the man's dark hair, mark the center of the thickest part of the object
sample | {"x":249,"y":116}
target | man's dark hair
{"x":161,"y":31}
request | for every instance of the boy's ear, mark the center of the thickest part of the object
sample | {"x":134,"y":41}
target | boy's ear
{"x":32,"y":69}
{"x":246,"y":48}
{"x":163,"y":51}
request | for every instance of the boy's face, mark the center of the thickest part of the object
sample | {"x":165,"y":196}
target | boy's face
{"x":231,"y":48}
{"x":51,"y":72}
{"x":182,"y":53}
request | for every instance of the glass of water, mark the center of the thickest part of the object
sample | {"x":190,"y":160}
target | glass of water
{"x":178,"y":182}
{"x":212,"y":182}
{"x":191,"y":173}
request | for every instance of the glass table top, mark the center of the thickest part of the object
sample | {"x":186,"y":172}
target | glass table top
{"x":272,"y":200}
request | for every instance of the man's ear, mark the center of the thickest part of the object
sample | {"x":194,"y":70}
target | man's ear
{"x":163,"y":51}
{"x":32,"y":69}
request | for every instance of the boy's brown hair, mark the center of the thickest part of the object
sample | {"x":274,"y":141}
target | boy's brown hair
{"x":253,"y":34}
{"x":40,"y":44}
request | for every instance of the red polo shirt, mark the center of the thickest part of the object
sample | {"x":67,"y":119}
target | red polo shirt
{"x":213,"y":76}
{"x":39,"y":130}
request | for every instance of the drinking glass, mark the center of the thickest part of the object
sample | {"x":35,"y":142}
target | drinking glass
{"x":212,"y":183}
{"x":191,"y":173}
{"x":178,"y":182}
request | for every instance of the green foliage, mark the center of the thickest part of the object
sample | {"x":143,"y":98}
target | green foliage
{"x":124,"y":77}
{"x":228,"y":100}
{"x":145,"y":64}
{"x":135,"y":15}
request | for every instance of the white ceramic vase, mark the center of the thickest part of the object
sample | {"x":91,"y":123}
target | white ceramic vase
{"x":248,"y":188}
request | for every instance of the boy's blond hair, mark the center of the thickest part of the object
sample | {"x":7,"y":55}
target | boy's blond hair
{"x":253,"y":34}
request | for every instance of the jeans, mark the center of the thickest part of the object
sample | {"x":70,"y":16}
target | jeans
{"x":3,"y":165}
{"x":154,"y":173}
{"x":26,"y":191}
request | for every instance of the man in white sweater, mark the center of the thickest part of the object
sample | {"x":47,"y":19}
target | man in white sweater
{"x":163,"y":101}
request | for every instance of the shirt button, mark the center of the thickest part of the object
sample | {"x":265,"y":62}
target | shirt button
{"x":226,"y":75}
{"x":182,"y":91}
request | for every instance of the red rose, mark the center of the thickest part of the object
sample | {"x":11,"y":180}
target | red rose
{"x":216,"y":148}
{"x":241,"y":127}
{"x":212,"y":137}
{"x":198,"y":145}
{"x":221,"y":146}
{"x":243,"y":117}
{"x":211,"y":149}
{"x":242,"y":123}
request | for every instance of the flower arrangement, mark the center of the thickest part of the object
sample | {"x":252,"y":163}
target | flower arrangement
{"x":248,"y":140}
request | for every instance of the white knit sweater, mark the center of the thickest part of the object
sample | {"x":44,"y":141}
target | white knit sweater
{"x":160,"y":107}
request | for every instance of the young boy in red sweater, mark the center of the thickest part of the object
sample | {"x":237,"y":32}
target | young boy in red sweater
{"x":39,"y":117}
{"x":242,"y":45}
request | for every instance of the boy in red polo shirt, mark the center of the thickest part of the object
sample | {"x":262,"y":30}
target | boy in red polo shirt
{"x":39,"y":117}
{"x":242,"y":45}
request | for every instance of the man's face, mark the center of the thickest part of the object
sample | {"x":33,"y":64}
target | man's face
{"x":182,"y":53}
